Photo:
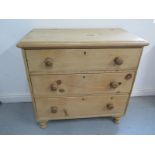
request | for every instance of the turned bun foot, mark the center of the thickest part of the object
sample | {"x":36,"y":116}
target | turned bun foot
{"x":43,"y":124}
{"x":117,"y":120}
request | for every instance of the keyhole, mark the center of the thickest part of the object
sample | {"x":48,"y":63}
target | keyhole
{"x":84,"y":52}
{"x":84,"y":77}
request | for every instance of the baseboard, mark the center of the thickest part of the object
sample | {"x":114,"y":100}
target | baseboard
{"x":15,"y":97}
{"x":143,"y":92}
{"x":26,"y":97}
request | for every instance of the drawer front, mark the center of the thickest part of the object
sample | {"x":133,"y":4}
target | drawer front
{"x":77,"y":84}
{"x":86,"y":106}
{"x":81,"y":60}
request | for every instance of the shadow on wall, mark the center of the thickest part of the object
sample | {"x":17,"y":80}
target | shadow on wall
{"x":12,"y":77}
{"x":145,"y":72}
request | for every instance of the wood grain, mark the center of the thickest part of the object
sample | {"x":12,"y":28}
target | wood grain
{"x":30,"y":83}
{"x":75,"y":107}
{"x":75,"y":38}
{"x":80,"y":73}
{"x":77,"y":84}
{"x":78,"y":60}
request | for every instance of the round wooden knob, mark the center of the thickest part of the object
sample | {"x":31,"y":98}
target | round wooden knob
{"x":48,"y":62}
{"x":58,"y":82}
{"x":118,"y":61}
{"x":128,"y":76}
{"x":114,"y":84}
{"x":110,"y":106}
{"x":54,"y":109}
{"x":53,"y":87}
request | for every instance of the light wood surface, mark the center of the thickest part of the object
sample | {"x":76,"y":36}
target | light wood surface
{"x":43,"y":124}
{"x":133,"y":80}
{"x":80,"y":73}
{"x":117,"y":120}
{"x":29,"y":82}
{"x":77,"y":84}
{"x":62,"y":38}
{"x":78,"y":60}
{"x":75,"y":107}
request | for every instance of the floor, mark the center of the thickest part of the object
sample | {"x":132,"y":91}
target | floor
{"x":18,"y":119}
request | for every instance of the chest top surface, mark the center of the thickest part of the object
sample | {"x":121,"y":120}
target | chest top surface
{"x":76,"y":38}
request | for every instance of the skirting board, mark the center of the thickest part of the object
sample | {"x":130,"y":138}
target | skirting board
{"x":25,"y":97}
{"x":18,"y":97}
{"x":143,"y":92}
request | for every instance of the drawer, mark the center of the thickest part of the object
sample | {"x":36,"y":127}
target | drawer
{"x":77,"y":84}
{"x":81,"y":60}
{"x":76,"y":107}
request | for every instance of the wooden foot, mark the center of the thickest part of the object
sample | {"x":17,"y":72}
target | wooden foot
{"x":43,"y":124}
{"x":117,"y":120}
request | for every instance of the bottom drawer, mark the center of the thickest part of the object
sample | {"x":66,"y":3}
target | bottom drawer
{"x":80,"y":107}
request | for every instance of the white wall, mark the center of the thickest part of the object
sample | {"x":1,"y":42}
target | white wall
{"x":13,"y":83}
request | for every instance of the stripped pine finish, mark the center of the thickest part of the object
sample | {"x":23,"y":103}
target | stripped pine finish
{"x":80,"y":73}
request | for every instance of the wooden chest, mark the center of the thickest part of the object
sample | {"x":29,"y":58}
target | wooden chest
{"x":80,"y":73}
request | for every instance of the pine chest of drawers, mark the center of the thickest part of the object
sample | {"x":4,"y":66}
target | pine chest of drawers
{"x":80,"y":73}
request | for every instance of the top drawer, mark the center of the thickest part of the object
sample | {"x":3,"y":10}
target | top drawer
{"x":82,"y":60}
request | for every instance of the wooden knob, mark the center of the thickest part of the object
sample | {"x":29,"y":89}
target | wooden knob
{"x":58,"y":82}
{"x":48,"y":62}
{"x":114,"y":84}
{"x":118,"y":61}
{"x":110,"y":106}
{"x":128,"y":76}
{"x":54,"y":109}
{"x":53,"y":87}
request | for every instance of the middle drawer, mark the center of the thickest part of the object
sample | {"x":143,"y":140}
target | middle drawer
{"x":79,"y":84}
